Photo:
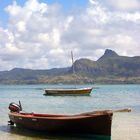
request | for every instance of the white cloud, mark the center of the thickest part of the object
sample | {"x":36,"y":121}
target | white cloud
{"x":13,"y":9}
{"x":125,"y":4}
{"x":68,"y":21}
{"x":41,"y":36}
{"x":134,"y":17}
{"x":21,"y":27}
{"x":96,"y":12}
{"x":94,"y":2}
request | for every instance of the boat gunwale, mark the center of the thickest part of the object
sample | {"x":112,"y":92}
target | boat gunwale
{"x":60,"y":117}
{"x":68,"y":89}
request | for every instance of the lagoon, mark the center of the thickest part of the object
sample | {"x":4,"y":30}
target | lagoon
{"x":125,"y":126}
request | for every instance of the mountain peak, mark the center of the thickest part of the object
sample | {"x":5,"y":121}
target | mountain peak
{"x":108,"y":53}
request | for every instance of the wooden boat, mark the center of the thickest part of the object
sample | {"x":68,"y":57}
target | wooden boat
{"x":95,"y":123}
{"x":68,"y":91}
{"x":98,"y":123}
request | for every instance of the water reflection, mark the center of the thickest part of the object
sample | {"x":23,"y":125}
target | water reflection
{"x":37,"y":135}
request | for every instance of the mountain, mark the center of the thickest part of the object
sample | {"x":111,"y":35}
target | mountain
{"x":29,"y":76}
{"x":109,"y":68}
{"x":110,"y":64}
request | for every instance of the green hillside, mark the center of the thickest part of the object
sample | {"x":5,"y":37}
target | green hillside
{"x":110,"y":68}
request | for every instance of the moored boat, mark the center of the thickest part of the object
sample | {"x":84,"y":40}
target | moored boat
{"x":95,"y":123}
{"x":68,"y":91}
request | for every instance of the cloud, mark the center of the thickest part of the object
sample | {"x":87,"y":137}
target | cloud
{"x":125,"y":4}
{"x":41,"y":36}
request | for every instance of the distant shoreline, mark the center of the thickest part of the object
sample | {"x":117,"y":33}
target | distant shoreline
{"x":110,"y":68}
{"x":18,"y":83}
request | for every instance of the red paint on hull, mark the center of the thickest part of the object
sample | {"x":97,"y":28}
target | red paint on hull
{"x":98,"y":122}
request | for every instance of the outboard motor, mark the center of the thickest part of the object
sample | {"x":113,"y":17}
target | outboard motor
{"x":13,"y":107}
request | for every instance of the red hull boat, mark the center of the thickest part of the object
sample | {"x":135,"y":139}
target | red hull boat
{"x":97,"y":122}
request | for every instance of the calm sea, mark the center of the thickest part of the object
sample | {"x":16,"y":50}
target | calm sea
{"x":102,"y":97}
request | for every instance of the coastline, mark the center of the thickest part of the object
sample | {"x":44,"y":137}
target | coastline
{"x":125,"y":126}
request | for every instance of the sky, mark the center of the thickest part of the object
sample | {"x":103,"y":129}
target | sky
{"x":40,"y":34}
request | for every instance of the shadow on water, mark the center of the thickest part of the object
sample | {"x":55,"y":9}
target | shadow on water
{"x":66,"y":95}
{"x":37,"y":135}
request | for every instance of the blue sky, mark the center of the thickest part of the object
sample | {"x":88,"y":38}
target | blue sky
{"x":3,"y":14}
{"x":66,"y":5}
{"x":40,"y":34}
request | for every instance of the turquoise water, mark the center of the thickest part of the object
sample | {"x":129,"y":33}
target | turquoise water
{"x":33,"y":100}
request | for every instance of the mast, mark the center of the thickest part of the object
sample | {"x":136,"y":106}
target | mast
{"x":73,"y":71}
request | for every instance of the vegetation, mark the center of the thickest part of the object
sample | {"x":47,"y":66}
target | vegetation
{"x":110,"y":68}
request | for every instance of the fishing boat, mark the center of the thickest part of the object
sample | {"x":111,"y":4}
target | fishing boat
{"x":69,"y":91}
{"x":94,"y":123}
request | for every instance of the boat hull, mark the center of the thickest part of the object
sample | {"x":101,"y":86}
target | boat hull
{"x":82,"y":91}
{"x":97,"y":124}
